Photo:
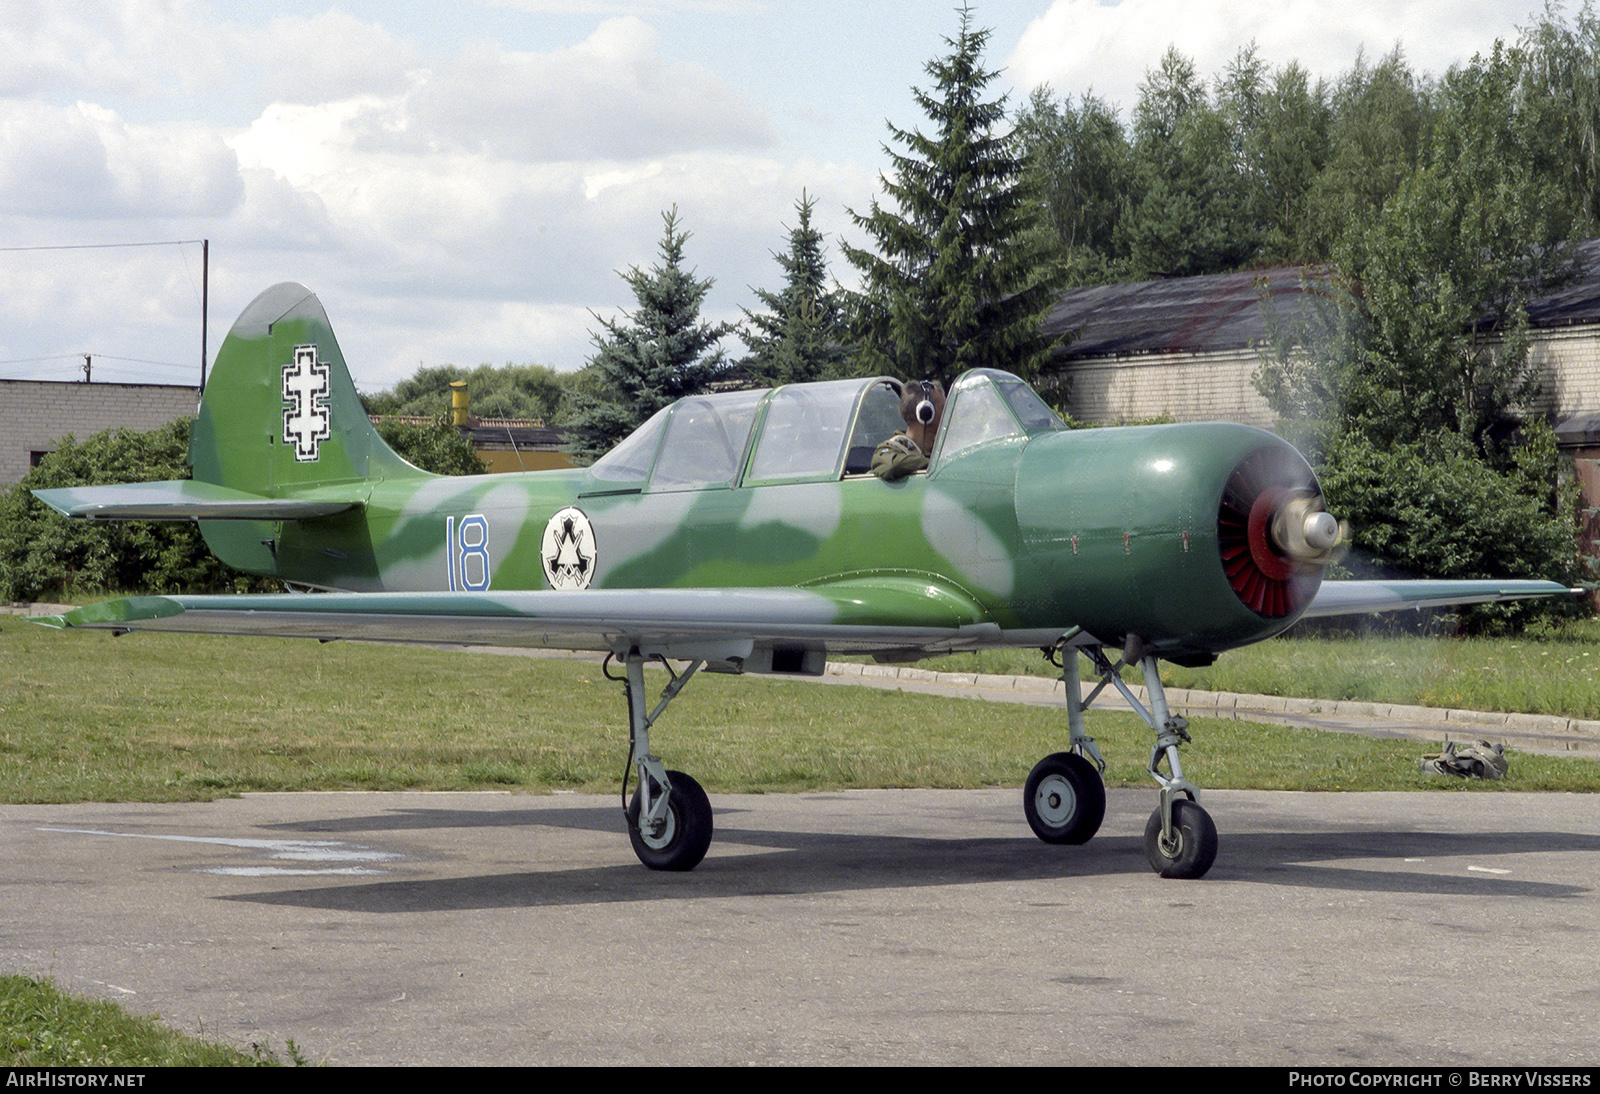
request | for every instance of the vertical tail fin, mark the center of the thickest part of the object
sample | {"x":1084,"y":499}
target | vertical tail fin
{"x":280,"y":411}
{"x":281,"y":419}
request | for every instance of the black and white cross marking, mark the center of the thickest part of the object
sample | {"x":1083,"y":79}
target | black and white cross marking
{"x":306,"y":421}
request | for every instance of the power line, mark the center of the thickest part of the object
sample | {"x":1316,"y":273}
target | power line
{"x":36,"y":360}
{"x":205,"y":281}
{"x":103,"y":246}
{"x":136,"y":360}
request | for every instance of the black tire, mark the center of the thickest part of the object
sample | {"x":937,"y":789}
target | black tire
{"x":1064,"y":799}
{"x":1194,"y":846}
{"x":686,"y":836}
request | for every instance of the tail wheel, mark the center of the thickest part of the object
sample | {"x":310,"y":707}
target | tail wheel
{"x":1263,"y":576}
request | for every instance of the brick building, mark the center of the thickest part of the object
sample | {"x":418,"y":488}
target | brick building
{"x":36,"y":414}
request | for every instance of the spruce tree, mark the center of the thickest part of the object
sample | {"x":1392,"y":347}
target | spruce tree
{"x":800,"y":337}
{"x":1189,"y":214}
{"x":956,"y":281}
{"x":655,"y":357}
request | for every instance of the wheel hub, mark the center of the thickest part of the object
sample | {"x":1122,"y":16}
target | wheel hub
{"x":1056,"y":800}
{"x":662,"y":836}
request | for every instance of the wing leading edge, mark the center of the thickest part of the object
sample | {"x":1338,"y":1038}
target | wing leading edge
{"x":884,"y":615}
{"x":1355,"y":597}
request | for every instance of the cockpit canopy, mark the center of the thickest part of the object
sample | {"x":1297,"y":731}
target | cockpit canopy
{"x":809,"y":432}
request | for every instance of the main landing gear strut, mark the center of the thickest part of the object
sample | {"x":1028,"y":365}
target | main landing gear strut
{"x":1065,"y":797}
{"x":669,"y":816}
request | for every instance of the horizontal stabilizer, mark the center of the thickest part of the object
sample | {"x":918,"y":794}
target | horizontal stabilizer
{"x":1355,"y":597}
{"x":184,"y":499}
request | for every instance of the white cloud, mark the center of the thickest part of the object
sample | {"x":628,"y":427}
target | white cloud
{"x":324,"y":58}
{"x":610,"y":96}
{"x":103,"y":47}
{"x":1081,"y":44}
{"x":86,"y":162}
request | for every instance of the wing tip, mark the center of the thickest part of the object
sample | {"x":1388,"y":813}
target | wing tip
{"x":112,"y":614}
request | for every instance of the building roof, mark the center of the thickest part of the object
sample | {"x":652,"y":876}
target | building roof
{"x":1579,"y":301}
{"x":1580,"y":431}
{"x":1220,"y":312}
{"x":1178,"y":315}
{"x":512,"y":433}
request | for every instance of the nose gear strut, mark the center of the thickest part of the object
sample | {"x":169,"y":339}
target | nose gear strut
{"x":1064,"y":799}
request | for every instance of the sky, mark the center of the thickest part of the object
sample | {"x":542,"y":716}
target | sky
{"x":462,"y":181}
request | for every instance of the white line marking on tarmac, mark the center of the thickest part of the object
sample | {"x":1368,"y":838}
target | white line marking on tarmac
{"x":285,"y":850}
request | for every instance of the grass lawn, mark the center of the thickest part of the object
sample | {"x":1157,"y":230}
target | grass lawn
{"x":40,"y":1026}
{"x":1555,"y":674}
{"x":88,"y":717}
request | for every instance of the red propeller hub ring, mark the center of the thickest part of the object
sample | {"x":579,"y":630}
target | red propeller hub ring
{"x":1258,"y":533}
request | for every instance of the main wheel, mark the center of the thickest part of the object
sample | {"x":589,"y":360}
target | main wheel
{"x":685,"y":834}
{"x":1193,"y":847}
{"x":1064,"y":799}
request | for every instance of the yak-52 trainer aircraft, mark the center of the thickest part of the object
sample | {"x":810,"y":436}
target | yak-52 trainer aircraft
{"x":743,"y":532}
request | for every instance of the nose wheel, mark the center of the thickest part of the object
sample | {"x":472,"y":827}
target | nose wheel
{"x":1064,"y":798}
{"x":1189,"y":849}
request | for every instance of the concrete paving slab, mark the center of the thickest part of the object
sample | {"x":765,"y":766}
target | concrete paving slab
{"x":865,"y":927}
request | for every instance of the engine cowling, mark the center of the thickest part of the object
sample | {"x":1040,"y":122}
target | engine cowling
{"x":1196,"y":537}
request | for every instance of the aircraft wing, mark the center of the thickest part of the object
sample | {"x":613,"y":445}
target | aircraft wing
{"x":1354,"y":597}
{"x":722,"y":625}
{"x":718,"y":624}
{"x":184,"y":499}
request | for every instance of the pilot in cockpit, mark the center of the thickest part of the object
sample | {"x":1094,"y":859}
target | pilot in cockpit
{"x":921,"y":407}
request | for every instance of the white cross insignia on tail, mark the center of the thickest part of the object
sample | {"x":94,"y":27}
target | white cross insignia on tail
{"x":306,"y":421}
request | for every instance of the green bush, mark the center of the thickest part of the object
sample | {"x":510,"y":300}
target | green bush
{"x":1433,"y":509}
{"x":43,"y":554}
{"x":437,"y":446}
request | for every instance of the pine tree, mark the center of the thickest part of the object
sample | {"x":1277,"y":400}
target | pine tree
{"x":957,"y":281}
{"x":661,"y":354}
{"x":800,"y":337}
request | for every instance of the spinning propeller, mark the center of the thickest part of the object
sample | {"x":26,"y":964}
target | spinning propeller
{"x":1274,"y":534}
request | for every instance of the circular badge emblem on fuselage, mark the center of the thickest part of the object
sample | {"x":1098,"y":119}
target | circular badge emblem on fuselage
{"x":569,"y":550}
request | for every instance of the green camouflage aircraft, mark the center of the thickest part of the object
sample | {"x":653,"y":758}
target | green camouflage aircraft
{"x":743,"y":532}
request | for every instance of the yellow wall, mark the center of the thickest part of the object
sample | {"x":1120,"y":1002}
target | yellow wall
{"x":500,"y":460}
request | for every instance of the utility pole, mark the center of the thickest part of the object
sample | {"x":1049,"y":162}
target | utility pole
{"x":88,"y":366}
{"x":205,"y":305}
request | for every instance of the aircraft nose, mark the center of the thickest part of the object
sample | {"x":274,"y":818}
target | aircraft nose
{"x":1274,"y":535}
